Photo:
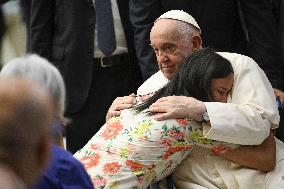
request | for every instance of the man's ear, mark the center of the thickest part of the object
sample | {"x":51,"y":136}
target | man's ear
{"x":196,"y":43}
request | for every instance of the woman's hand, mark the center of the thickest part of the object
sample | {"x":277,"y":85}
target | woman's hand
{"x":120,"y":103}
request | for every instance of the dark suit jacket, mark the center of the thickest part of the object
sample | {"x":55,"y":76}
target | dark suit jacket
{"x":221,"y":26}
{"x":63,"y":32}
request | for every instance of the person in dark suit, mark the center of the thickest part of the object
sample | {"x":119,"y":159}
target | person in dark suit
{"x":278,"y":10}
{"x":63,"y":31}
{"x":241,"y":26}
{"x":281,"y":23}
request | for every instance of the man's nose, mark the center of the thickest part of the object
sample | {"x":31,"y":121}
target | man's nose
{"x":223,"y":98}
{"x":161,"y":56}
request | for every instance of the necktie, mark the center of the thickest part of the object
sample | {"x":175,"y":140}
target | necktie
{"x":105,"y":28}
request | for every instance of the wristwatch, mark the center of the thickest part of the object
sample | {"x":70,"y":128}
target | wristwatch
{"x":205,"y":116}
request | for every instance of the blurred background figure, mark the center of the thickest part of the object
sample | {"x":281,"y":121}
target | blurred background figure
{"x":14,"y":39}
{"x":64,"y":171}
{"x":2,"y":31}
{"x":71,"y":34}
{"x":26,"y":116}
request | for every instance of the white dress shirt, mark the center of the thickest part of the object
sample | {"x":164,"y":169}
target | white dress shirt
{"x":121,"y":46}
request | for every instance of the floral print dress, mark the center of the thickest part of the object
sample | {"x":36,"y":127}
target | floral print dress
{"x":132,"y":151}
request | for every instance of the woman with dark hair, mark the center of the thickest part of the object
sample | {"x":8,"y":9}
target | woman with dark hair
{"x":133,"y":149}
{"x":196,"y":78}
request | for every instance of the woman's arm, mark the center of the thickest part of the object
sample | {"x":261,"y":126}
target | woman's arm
{"x":261,"y":157}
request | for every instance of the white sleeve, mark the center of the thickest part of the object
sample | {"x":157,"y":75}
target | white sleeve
{"x":247,"y":119}
{"x":154,"y":83}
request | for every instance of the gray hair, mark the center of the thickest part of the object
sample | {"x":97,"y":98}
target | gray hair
{"x":38,"y":69}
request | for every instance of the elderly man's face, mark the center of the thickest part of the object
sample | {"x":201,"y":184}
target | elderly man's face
{"x":171,"y":48}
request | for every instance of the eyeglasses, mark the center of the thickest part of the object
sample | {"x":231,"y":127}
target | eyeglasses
{"x":167,"y":48}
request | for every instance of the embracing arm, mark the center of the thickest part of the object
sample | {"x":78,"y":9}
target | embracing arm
{"x":261,"y":157}
{"x":246,"y":120}
{"x":252,"y":112}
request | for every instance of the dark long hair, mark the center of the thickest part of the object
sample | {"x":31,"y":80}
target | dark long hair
{"x":193,"y":78}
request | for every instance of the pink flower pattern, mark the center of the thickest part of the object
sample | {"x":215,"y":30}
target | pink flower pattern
{"x":117,"y":156}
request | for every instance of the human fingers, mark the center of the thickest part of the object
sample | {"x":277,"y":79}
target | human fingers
{"x":122,"y":106}
{"x":112,"y":113}
{"x":167,"y":103}
{"x":116,"y":107}
{"x":162,"y":116}
{"x":161,"y":100}
{"x":128,"y":100}
{"x":158,"y":108}
{"x":120,"y":103}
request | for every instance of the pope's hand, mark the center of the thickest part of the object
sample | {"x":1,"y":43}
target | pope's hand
{"x":173,"y":107}
{"x":120,"y":103}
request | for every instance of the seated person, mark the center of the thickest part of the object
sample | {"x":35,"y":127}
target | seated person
{"x":64,"y":170}
{"x":250,"y":114}
{"x":26,"y":116}
{"x":134,"y":150}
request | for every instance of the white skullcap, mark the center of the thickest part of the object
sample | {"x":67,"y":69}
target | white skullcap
{"x":181,"y":16}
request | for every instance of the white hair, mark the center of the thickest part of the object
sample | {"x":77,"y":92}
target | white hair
{"x":187,"y":30}
{"x":38,"y":69}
